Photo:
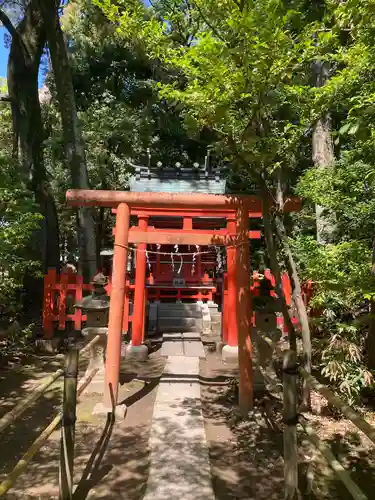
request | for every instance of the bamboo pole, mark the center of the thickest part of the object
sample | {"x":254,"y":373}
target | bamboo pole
{"x":290,"y":374}
{"x":336,"y":466}
{"x":20,"y":409}
{"x":68,"y":426}
{"x":38,"y":443}
{"x":88,"y":346}
{"x":347,"y":411}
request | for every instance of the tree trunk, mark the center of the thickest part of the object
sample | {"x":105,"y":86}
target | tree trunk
{"x":299,"y":303}
{"x":272,"y":253}
{"x":296,"y":284}
{"x":28,"y":41}
{"x":323,"y":157}
{"x":73,"y":141}
{"x":370,"y":340}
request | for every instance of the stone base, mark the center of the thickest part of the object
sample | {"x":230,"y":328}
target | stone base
{"x":137,"y":352}
{"x":101,"y":409}
{"x":209,"y":338}
{"x":49,"y":346}
{"x":229,"y":354}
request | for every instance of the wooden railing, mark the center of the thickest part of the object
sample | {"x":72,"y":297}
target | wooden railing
{"x":292,"y":419}
{"x":67,"y":416}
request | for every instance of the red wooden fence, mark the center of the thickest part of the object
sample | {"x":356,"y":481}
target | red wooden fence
{"x":62,"y":291}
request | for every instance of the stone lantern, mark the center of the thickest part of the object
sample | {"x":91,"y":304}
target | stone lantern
{"x":96,"y":307}
{"x":266,"y":308}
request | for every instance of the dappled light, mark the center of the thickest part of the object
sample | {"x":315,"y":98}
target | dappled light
{"x":187,"y":250}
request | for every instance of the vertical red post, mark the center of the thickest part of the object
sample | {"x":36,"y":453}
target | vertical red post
{"x":64,"y":280}
{"x":116,"y":308}
{"x":144,"y":315}
{"x":231,"y":304}
{"x":140,"y":283}
{"x":188,"y":223}
{"x":225,"y":312}
{"x":48,"y":309}
{"x":244,"y":311}
{"x":78,"y":298}
{"x":125,"y":322}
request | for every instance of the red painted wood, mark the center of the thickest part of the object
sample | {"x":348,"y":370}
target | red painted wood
{"x":78,"y":297}
{"x":56,"y":288}
{"x":64,"y":278}
{"x":232,"y":288}
{"x":188,"y":224}
{"x":125,"y":321}
{"x":140,"y":283}
{"x":49,"y":280}
{"x":225,"y":311}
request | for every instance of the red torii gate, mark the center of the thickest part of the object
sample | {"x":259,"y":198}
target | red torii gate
{"x":235,"y":209}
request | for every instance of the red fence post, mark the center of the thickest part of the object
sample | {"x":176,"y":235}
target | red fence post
{"x":49,"y":281}
{"x":78,"y":298}
{"x":64,"y":279}
{"x":225,"y":309}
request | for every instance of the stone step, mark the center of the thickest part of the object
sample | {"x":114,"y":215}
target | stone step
{"x":180,"y":307}
{"x":177,"y":313}
{"x":181,"y":324}
{"x":179,"y":329}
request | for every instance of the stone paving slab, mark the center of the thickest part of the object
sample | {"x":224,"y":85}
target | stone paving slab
{"x":172,"y":348}
{"x":179,"y":460}
{"x":187,"y":344}
{"x":194,"y":349}
{"x":171,"y":392}
{"x":181,"y":366}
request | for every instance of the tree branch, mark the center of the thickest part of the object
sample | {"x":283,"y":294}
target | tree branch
{"x":212,"y":28}
{"x":9,"y":26}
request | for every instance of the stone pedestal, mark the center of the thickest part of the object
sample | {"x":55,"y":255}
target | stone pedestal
{"x":229,"y":354}
{"x":206,"y":319}
{"x":97,"y":358}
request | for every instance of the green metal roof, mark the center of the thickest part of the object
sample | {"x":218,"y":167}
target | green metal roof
{"x":178,"y":180}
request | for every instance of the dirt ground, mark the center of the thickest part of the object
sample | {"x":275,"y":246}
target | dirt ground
{"x":112,"y":458}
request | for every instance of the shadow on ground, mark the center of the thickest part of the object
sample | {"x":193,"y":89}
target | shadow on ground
{"x":111,"y":458}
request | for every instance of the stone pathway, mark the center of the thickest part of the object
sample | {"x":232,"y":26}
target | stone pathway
{"x":179,"y":458}
{"x":183,"y":344}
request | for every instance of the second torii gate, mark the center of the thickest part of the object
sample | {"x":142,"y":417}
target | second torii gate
{"x":235,"y":209}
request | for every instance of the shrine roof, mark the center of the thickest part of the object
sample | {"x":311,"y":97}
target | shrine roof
{"x":196,"y":179}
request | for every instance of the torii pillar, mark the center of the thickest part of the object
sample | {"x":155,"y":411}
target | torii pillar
{"x":137,"y":349}
{"x":238,"y":351}
{"x":116,"y":313}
